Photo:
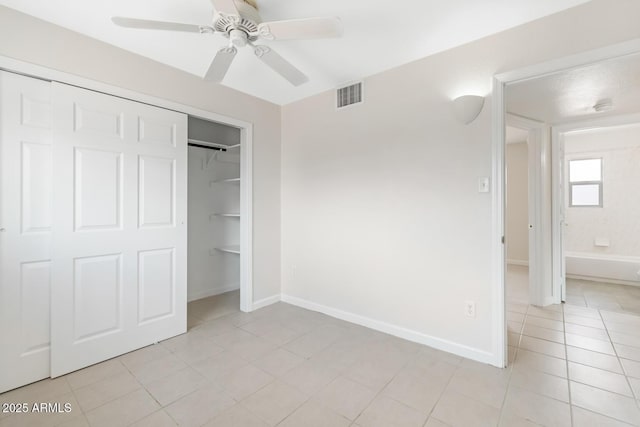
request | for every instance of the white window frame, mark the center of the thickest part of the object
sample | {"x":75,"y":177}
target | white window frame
{"x":571,"y":184}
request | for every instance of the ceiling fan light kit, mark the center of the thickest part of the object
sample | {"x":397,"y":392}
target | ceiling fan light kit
{"x":240,"y":22}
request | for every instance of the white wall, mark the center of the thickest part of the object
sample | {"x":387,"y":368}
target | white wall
{"x":381,"y":218}
{"x":31,"y":40}
{"x":618,"y":220}
{"x":517,"y":215}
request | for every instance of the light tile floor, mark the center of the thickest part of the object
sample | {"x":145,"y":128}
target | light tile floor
{"x":287,"y":366}
{"x":607,"y":296}
{"x":583,"y":293}
{"x":585,"y":353}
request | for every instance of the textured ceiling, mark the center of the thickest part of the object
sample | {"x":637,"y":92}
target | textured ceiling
{"x":571,"y":95}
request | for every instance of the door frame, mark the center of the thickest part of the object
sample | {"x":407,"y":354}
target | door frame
{"x":537,"y":171}
{"x":500,"y":81}
{"x":557,"y":145}
{"x":246,"y":152}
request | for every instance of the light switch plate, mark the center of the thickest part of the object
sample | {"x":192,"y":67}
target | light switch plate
{"x":483,"y":184}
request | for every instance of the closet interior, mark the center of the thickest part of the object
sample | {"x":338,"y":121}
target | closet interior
{"x":213,"y":218}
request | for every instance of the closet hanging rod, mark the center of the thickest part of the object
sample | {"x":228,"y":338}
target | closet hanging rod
{"x":207,"y":144}
{"x":208,"y":147}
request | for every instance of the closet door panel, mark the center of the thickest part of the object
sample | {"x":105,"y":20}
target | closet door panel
{"x":97,"y":290}
{"x":119,"y":232}
{"x":35,"y":162}
{"x":25,"y":229}
{"x":98,"y":189}
{"x":156,"y":191}
{"x":94,"y":118}
{"x":158,"y":130}
{"x":156,"y":284}
{"x":35,"y":111}
{"x":35,"y":279}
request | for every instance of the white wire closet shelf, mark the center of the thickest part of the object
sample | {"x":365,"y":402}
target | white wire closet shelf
{"x":224,"y":214}
{"x":226,"y":181}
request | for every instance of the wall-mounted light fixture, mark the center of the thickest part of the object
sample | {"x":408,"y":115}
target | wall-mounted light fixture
{"x":466,"y":108}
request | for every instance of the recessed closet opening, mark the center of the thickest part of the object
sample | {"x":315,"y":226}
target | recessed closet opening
{"x":213,"y":283}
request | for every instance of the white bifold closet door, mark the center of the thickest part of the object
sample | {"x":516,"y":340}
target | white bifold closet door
{"x":119,"y":234}
{"x":25,"y":229}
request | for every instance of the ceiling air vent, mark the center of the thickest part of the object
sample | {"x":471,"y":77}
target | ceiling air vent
{"x":349,"y":95}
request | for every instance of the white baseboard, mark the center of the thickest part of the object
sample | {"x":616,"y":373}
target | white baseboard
{"x":524,"y":263}
{"x":212,"y":292}
{"x":265,"y":302}
{"x":398,"y":331}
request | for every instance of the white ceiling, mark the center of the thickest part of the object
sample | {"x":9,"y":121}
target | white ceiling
{"x":378,"y":35}
{"x":571,"y":95}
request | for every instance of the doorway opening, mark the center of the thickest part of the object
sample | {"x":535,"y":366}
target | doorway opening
{"x":517,"y":214}
{"x":526,"y":208}
{"x":596,"y":172}
{"x":581,"y":83}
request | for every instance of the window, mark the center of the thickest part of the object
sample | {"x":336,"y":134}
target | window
{"x":585,"y":183}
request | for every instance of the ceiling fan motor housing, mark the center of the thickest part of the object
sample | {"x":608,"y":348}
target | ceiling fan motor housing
{"x":246,"y":23}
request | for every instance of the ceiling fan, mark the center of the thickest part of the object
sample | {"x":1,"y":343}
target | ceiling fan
{"x":239,"y":21}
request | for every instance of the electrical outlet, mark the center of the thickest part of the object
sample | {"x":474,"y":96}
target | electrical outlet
{"x":470,"y":308}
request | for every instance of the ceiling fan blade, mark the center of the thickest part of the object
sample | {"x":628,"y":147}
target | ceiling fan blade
{"x":228,"y":7}
{"x":146,"y":24}
{"x":280,"y":65}
{"x":220,"y":64}
{"x":309,"y":28}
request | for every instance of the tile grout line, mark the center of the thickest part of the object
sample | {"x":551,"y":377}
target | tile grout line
{"x":599,"y":388}
{"x":606,"y":330}
{"x":73,"y":391}
{"x":626,"y":377}
{"x":506,"y":393}
{"x":163,"y":407}
{"x":565,"y":332}
{"x":569,"y":380}
{"x":275,"y":378}
{"x":379,"y":393}
{"x":575,"y":381}
{"x":442,"y":392}
{"x":566,"y":355}
{"x":357,"y":382}
{"x":277,"y":346}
